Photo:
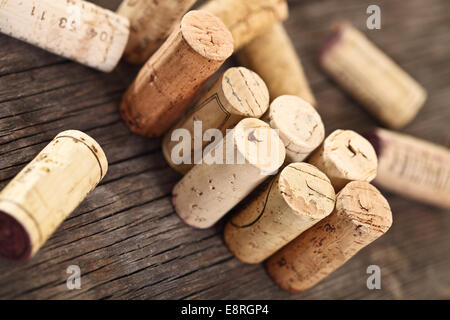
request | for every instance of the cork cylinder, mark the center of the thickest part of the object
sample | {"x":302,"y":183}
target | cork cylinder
{"x":170,"y":79}
{"x":412,"y":167}
{"x":345,"y":156}
{"x":371,"y":77}
{"x":151,"y":24}
{"x":299,"y":125}
{"x":248,"y":19}
{"x":247,"y":156}
{"x":361,"y":216}
{"x":46,"y":191}
{"x":273,"y":56}
{"x":298,"y":198}
{"x":238,"y":93}
{"x":76,"y":29}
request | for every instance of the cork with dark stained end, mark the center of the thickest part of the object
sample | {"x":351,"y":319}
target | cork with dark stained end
{"x":345,"y":156}
{"x":361,"y":216}
{"x":299,"y":125}
{"x":273,"y":56}
{"x":46,"y":191}
{"x":248,"y":155}
{"x":239,"y":93}
{"x":248,"y":19}
{"x":412,"y":167}
{"x":295,"y":200}
{"x":76,"y":29}
{"x":151,"y":24}
{"x":170,"y":79}
{"x":371,"y":77}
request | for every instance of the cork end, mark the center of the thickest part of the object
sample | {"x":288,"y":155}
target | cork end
{"x":96,"y":149}
{"x":365,"y":206}
{"x":246,"y":92}
{"x":307,"y":190}
{"x":352,"y":155}
{"x":15,"y":243}
{"x":301,"y":127}
{"x":207,"y":35}
{"x":259,"y":145}
{"x":338,"y":30}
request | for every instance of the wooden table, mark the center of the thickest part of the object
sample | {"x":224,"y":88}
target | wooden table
{"x":125,"y":236}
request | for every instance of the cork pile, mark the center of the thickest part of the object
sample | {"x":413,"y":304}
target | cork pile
{"x":303,"y":202}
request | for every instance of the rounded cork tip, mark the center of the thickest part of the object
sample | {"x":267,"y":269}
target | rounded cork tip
{"x":207,"y":35}
{"x":15,"y":244}
{"x":245,"y":91}
{"x":337,"y":31}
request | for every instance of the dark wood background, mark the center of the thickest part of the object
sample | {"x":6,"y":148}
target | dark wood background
{"x":126,"y":237}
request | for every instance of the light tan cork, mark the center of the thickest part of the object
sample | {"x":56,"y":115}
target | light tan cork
{"x":75,"y":29}
{"x":345,"y":156}
{"x":298,"y":198}
{"x":273,"y":56}
{"x":239,"y":93}
{"x":371,"y":77}
{"x":361,"y":216}
{"x":46,"y":191}
{"x":151,"y":24}
{"x":412,"y":167}
{"x":248,"y":19}
{"x":300,"y":126}
{"x":209,"y":190}
{"x":170,"y":79}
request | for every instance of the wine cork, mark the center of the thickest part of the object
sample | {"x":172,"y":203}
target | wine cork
{"x":151,"y":24}
{"x":371,"y":77}
{"x":272,"y":55}
{"x":170,"y":79}
{"x":345,"y":156}
{"x":210,"y":189}
{"x":239,"y":93}
{"x":298,"y":198}
{"x":361,"y":216}
{"x":248,"y":19}
{"x":300,"y":126}
{"x":412,"y":167}
{"x":46,"y":191}
{"x":75,"y":29}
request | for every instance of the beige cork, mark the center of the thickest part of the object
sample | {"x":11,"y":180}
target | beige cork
{"x":75,"y":29}
{"x":361,"y":216}
{"x":273,"y":56}
{"x":151,"y":24}
{"x":345,"y":156}
{"x":248,"y":19}
{"x":371,"y":77}
{"x":298,"y":198}
{"x":412,"y":167}
{"x":238,"y":93}
{"x":46,"y":191}
{"x":300,"y":126}
{"x":170,"y":79}
{"x":247,"y":156}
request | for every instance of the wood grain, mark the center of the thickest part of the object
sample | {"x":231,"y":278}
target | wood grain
{"x":125,"y":236}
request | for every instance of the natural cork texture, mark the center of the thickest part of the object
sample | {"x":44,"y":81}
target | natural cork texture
{"x":170,"y":79}
{"x":273,"y":56}
{"x":75,"y":29}
{"x":371,"y":77}
{"x":46,"y":191}
{"x":300,"y":126}
{"x":361,"y":216}
{"x":151,"y":24}
{"x":295,"y":200}
{"x":210,"y":189}
{"x":412,"y":167}
{"x":345,"y":156}
{"x":248,"y":19}
{"x":239,"y":93}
